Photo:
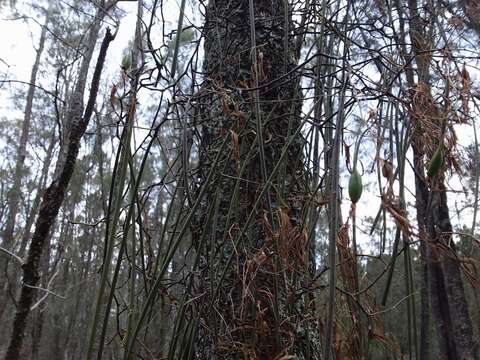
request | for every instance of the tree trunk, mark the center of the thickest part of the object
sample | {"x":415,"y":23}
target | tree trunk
{"x":254,"y":256}
{"x":434,"y":274}
{"x":52,"y":200}
{"x":42,"y":183}
{"x":471,"y":9}
{"x":447,"y":295}
{"x":15,"y":191}
{"x":467,"y":347}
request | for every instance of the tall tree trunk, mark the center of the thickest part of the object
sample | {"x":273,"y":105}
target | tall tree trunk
{"x":28,"y":225}
{"x":39,"y":312}
{"x":42,"y":183}
{"x":254,"y":257}
{"x":8,"y":234}
{"x":54,"y":195}
{"x":15,"y":190}
{"x":447,"y":295}
{"x":471,"y":9}
{"x":466,"y":344}
{"x":433,"y":277}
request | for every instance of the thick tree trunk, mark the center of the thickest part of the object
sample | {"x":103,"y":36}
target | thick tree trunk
{"x":250,"y":281}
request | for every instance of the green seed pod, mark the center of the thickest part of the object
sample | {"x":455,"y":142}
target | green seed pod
{"x":436,"y":162}
{"x":355,"y":186}
{"x":126,"y":62}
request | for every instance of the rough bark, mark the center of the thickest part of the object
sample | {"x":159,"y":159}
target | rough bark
{"x":51,"y":202}
{"x":255,"y":310}
{"x":434,"y":274}
{"x":39,"y":312}
{"x":38,"y":196}
{"x":471,"y":9}
{"x":447,"y":295}
{"x":462,"y":324}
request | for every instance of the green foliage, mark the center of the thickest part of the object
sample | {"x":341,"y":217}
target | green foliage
{"x":186,"y":36}
{"x":127,"y":56}
{"x":126,"y":61}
